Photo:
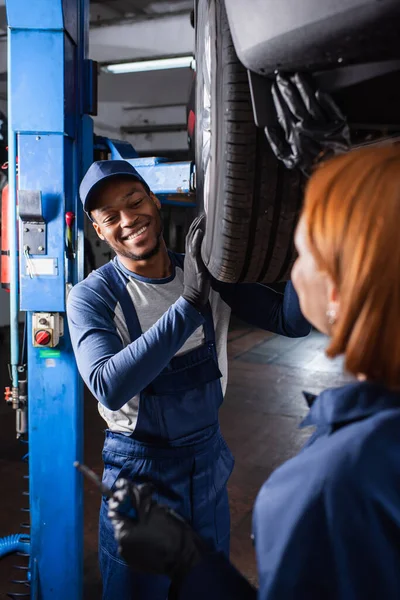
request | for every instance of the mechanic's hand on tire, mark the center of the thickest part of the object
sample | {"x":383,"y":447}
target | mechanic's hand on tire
{"x":152,"y":538}
{"x":196,"y":279}
{"x":305,"y":125}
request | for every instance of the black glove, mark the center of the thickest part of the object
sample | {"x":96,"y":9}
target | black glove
{"x":196,"y":279}
{"x":305,"y":126}
{"x":152,"y":538}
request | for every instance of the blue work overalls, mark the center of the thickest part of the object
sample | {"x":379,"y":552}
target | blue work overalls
{"x":177,"y":441}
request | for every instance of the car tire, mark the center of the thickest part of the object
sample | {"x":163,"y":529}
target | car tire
{"x":251,"y":200}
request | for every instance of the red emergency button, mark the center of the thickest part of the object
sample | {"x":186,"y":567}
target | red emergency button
{"x":42,"y":337}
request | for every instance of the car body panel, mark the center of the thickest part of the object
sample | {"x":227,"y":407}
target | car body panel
{"x":313,"y":34}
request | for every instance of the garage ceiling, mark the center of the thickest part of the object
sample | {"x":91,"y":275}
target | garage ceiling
{"x":162,"y":27}
{"x":125,"y":30}
{"x":106,"y":12}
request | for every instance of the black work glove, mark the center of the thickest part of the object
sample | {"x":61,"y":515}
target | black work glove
{"x":152,"y":538}
{"x":305,"y":125}
{"x":196,"y":278}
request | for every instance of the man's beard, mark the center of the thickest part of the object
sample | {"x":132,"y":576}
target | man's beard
{"x":146,"y":255}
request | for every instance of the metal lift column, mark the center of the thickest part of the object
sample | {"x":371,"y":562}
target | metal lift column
{"x":49,"y":96}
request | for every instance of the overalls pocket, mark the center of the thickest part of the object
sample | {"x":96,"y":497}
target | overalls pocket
{"x":113,"y":465}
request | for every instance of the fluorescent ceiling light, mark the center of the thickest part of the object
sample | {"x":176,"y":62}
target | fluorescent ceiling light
{"x":158,"y":64}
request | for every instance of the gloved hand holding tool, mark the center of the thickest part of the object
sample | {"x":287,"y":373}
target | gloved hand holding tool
{"x":157,"y":540}
{"x":152,"y":538}
{"x":197,"y":280}
{"x":304,"y":125}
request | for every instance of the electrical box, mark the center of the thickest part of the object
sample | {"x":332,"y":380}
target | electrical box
{"x":47,"y":328}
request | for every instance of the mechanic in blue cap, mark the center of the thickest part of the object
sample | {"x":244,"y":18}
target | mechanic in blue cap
{"x":326,"y":523}
{"x":150,"y":338}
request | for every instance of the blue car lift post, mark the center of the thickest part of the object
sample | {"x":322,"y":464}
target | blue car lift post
{"x":50,"y":98}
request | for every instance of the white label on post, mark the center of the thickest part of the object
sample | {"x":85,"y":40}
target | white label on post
{"x":41,"y":266}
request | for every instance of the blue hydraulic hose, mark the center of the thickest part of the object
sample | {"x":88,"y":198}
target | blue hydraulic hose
{"x":14,"y":543}
{"x":12,"y":235}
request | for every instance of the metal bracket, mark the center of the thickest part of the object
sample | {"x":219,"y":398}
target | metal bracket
{"x":33,"y":223}
{"x":260,"y":90}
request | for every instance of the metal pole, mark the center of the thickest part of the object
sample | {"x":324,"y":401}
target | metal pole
{"x":12,"y":232}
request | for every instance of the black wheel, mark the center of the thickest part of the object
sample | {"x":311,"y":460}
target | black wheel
{"x":251,"y":200}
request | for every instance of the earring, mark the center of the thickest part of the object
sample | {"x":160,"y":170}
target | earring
{"x":331,"y":316}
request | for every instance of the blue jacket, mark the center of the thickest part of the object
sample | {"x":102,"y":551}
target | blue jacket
{"x":114,"y":373}
{"x":327,"y":522}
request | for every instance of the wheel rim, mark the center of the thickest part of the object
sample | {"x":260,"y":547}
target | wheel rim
{"x":206,"y":113}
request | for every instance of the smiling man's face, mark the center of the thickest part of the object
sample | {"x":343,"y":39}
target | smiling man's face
{"x":128,"y":219}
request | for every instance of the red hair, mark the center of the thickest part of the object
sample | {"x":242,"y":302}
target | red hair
{"x":352,"y":216}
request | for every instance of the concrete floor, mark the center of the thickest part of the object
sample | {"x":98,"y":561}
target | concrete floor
{"x":259,"y":419}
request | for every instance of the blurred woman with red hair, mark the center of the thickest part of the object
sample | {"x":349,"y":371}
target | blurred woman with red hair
{"x":327,"y":522}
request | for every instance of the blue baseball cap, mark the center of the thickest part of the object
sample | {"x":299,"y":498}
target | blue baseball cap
{"x":101,"y":171}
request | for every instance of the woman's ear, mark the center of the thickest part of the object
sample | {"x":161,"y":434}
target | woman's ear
{"x":333,"y":308}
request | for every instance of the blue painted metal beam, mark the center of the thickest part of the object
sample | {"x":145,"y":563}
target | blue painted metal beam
{"x":54,"y":141}
{"x":165,"y":178}
{"x":172,"y":182}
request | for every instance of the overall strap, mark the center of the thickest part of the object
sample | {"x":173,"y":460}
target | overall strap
{"x":209,"y":331}
{"x":117,"y":285}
